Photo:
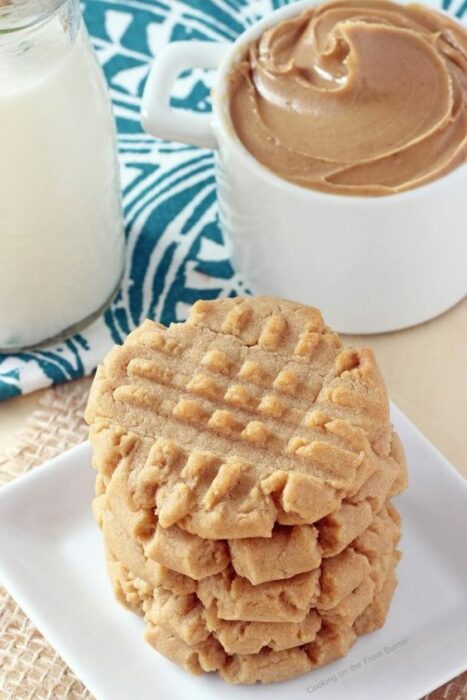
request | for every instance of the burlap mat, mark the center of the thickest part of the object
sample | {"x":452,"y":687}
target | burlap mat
{"x":29,"y":668}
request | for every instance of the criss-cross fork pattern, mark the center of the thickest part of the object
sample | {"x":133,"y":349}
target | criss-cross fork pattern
{"x":245,"y":465}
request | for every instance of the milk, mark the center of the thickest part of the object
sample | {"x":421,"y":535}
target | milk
{"x":61,"y":234}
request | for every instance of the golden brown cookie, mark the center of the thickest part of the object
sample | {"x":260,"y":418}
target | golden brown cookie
{"x":182,"y":629}
{"x":289,"y":550}
{"x":248,"y":411}
{"x":204,"y":657}
{"x":266,"y":666}
{"x":246,"y":463}
{"x":269,"y":666}
{"x":131,"y":555}
{"x":194,"y":623}
{"x":186,"y":553}
{"x":236,"y":598}
{"x":132,"y":592}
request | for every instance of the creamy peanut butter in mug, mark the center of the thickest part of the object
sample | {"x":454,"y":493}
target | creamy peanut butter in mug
{"x":360,"y":97}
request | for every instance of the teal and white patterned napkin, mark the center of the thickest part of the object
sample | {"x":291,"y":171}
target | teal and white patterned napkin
{"x":175,"y":250}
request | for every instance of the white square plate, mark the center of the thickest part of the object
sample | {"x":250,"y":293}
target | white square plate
{"x":51,"y":561}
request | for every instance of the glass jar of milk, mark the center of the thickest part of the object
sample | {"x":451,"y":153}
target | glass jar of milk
{"x":61,"y":230}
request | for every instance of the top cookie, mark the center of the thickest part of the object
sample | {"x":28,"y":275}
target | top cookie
{"x":248,"y":414}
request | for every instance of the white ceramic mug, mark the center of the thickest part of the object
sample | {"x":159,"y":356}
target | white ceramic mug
{"x":371,"y":264}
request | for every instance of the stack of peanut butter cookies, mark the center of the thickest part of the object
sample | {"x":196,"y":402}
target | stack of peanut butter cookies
{"x":246,"y":464}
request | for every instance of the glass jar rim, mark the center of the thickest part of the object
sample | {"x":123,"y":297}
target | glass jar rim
{"x":21,"y":14}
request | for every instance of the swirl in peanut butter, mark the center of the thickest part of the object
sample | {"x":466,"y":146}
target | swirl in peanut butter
{"x":360,"y":97}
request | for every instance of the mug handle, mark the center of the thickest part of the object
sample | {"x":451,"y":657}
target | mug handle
{"x":157,"y":117}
